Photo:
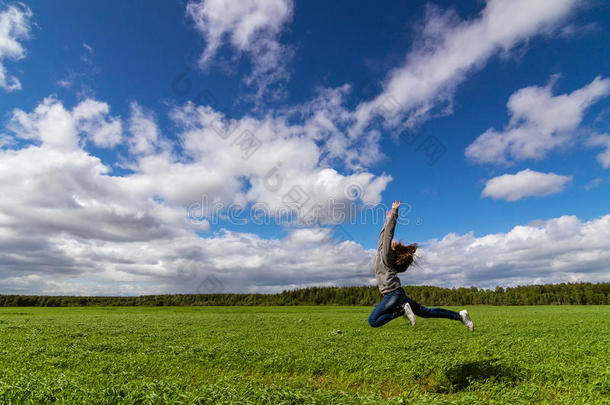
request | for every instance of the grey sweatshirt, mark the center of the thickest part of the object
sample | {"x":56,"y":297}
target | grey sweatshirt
{"x":385,"y":274}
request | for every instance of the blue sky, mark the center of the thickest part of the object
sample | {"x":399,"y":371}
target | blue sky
{"x":516,"y":95}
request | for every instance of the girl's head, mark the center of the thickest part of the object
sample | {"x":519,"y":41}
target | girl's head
{"x":403,"y":255}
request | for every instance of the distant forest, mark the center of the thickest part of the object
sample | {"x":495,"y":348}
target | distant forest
{"x":548,"y":294}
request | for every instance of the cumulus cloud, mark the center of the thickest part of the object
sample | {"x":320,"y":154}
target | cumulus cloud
{"x":563,"y":249}
{"x":145,"y":135}
{"x":448,"y":49}
{"x":185,"y":264}
{"x":53,"y":125}
{"x":526,"y":183}
{"x":14,"y":26}
{"x":65,"y":218}
{"x":604,"y":141}
{"x":556,"y":250}
{"x":68,"y":226}
{"x":445,"y":50}
{"x":251,"y":27}
{"x":282,"y":161}
{"x":539,"y":123}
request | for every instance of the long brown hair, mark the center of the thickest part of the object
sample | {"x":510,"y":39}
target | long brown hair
{"x":404,"y":256}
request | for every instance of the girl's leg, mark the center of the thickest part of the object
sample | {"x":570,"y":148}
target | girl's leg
{"x":389,"y":307}
{"x":426,"y":312}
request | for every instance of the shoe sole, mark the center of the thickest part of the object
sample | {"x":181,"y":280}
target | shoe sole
{"x":413,"y":321}
{"x":469,"y":324}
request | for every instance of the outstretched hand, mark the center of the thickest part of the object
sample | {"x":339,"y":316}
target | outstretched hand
{"x":395,"y":204}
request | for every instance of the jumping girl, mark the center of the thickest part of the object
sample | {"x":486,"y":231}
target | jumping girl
{"x":394,"y":257}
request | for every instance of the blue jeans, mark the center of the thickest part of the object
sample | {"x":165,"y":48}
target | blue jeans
{"x":390,"y":307}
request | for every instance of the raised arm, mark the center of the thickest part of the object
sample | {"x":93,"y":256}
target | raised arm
{"x":388,"y":232}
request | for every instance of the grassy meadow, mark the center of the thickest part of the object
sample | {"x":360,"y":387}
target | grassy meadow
{"x":299,"y":354}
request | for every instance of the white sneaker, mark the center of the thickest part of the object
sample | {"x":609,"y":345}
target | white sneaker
{"x":466,"y":320}
{"x":409,"y":313}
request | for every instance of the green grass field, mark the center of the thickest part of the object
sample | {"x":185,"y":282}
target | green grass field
{"x":555,"y":354}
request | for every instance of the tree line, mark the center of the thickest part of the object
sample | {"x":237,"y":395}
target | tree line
{"x":547,"y":294}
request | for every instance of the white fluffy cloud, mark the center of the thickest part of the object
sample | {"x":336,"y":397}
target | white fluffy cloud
{"x":539,"y":123}
{"x":563,"y":249}
{"x":223,"y":262}
{"x":65,"y":219}
{"x":448,"y":49}
{"x":14,"y":26}
{"x":145,"y":135}
{"x":68,"y":226}
{"x":272,"y":154}
{"x":557,"y":250}
{"x":251,"y":27}
{"x":444,"y":52}
{"x":526,"y":183}
{"x":53,"y":125}
{"x":604,"y":141}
